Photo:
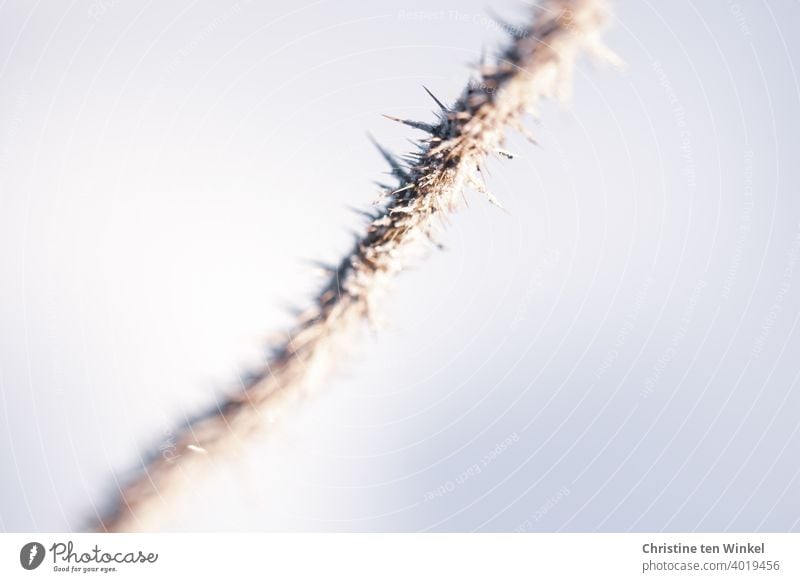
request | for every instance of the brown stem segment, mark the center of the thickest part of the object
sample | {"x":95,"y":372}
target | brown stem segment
{"x":537,"y":64}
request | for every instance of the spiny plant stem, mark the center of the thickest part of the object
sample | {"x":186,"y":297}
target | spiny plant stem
{"x":537,"y":63}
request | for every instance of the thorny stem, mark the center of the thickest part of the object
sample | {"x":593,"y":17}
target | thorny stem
{"x":538,"y":63}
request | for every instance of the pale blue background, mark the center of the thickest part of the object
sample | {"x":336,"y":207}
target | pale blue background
{"x":628,"y":328}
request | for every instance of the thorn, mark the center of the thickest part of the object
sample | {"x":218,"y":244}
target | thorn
{"x":368,"y":215}
{"x":506,"y":26}
{"x":319,"y":265}
{"x":505,"y":154}
{"x":415,"y":124}
{"x":398,"y":171}
{"x":384,"y":188}
{"x":493,"y":200}
{"x":477,"y":181}
{"x":417,"y":144}
{"x":433,"y":240}
{"x":528,"y":134}
{"x":403,"y":189}
{"x":439,"y":103}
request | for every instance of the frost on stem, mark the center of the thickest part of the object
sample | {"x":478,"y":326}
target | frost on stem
{"x":537,"y":63}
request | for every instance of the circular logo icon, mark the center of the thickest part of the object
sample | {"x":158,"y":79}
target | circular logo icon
{"x":31,"y":555}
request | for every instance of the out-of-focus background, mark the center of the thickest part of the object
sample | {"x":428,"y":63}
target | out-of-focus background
{"x":618,"y":351}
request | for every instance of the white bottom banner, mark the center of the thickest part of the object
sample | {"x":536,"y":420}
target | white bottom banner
{"x":406,"y":557}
